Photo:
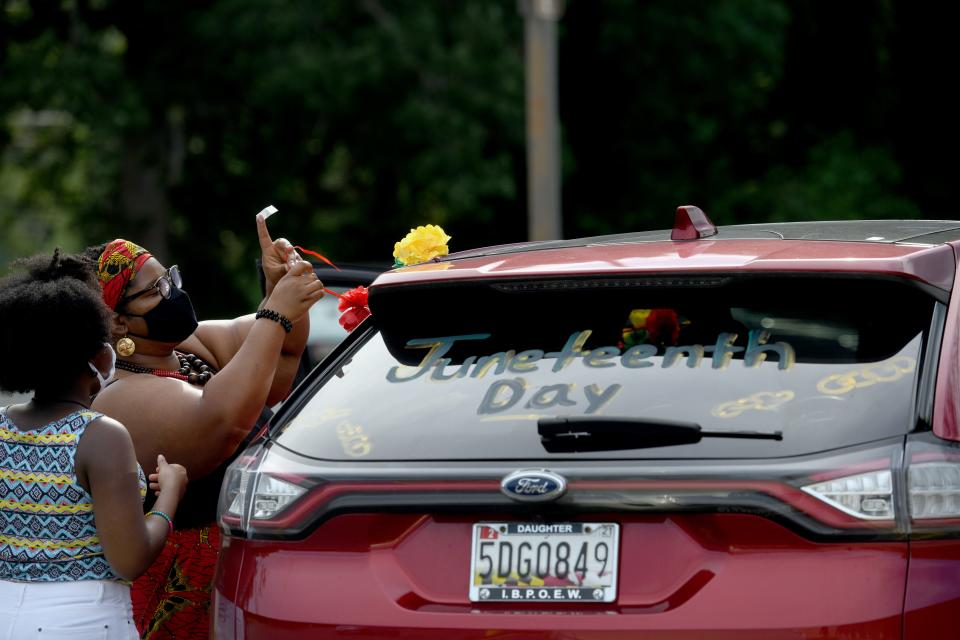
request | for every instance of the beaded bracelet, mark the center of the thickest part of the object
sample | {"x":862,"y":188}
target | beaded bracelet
{"x":270,"y":314}
{"x":162,"y":515}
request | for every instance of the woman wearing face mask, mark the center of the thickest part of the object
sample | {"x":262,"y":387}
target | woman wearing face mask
{"x":72,"y":528}
{"x":195,"y":391}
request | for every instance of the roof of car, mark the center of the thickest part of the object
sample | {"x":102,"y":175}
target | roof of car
{"x":928,"y":232}
{"x":910,"y":248}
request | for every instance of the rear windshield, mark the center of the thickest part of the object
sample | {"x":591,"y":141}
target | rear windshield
{"x":469,"y":371}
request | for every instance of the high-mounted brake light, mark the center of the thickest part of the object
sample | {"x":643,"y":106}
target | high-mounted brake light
{"x":692,"y":224}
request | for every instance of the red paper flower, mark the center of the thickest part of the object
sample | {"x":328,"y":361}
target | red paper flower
{"x":356,"y":297}
{"x":352,"y":318}
{"x":353,"y":304}
{"x":663,"y":326}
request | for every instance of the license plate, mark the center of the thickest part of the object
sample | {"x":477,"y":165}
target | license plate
{"x":544,"y":562}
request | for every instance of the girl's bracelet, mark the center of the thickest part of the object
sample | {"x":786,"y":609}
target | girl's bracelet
{"x":162,"y":515}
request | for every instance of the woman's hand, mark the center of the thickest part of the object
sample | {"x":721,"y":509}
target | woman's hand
{"x":296,"y":292}
{"x":168,"y":477}
{"x":275,"y":254}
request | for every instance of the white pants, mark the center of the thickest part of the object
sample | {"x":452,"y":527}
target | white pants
{"x":81,"y":610}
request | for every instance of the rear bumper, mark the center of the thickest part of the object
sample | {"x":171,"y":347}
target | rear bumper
{"x":234,"y":623}
{"x":682,"y":578}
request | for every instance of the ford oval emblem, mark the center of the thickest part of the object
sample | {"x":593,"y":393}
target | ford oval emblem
{"x":533,"y":485}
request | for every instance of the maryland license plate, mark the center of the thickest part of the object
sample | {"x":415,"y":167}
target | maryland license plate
{"x":544,"y":562}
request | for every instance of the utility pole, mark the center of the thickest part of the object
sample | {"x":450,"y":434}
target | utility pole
{"x":543,"y":120}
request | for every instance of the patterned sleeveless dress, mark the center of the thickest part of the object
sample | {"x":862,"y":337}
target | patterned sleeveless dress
{"x":47,"y":530}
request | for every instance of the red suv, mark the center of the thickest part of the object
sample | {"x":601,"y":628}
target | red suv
{"x":749,"y":432}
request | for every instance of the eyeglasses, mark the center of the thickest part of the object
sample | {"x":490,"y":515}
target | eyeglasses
{"x":164,"y":284}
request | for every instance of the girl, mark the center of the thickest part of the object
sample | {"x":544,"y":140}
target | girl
{"x":72,"y":529}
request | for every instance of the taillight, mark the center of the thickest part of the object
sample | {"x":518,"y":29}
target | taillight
{"x":934,"y":489}
{"x":270,"y":495}
{"x":868,"y":496}
{"x":248,"y":495}
{"x":933,"y":484}
{"x":263,"y":497}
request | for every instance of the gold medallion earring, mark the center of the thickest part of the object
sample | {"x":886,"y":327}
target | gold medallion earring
{"x":126,"y":347}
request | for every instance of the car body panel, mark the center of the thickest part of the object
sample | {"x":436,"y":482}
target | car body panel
{"x":933,"y":590}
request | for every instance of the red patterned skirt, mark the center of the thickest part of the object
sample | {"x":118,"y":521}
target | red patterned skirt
{"x":172,"y":599}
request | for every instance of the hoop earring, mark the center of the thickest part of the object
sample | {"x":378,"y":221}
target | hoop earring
{"x":126,"y":347}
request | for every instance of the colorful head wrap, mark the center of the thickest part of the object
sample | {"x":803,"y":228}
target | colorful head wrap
{"x":117,"y":266}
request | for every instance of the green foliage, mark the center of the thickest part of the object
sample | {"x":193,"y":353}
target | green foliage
{"x":171,"y":123}
{"x":840,"y":181}
{"x":357,"y":119}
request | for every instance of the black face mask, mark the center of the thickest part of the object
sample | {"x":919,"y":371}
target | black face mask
{"x":173,"y":320}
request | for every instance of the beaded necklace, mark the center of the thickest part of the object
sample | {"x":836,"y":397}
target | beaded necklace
{"x":192,"y":369}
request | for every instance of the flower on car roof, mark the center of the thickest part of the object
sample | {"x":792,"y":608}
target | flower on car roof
{"x":421,"y":245}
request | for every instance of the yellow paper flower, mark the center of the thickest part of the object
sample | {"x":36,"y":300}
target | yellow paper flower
{"x":421,"y":245}
{"x":638,"y":318}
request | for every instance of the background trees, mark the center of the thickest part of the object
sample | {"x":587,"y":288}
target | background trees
{"x":171,"y":123}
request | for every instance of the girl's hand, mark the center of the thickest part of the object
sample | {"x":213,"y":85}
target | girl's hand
{"x":168,"y":477}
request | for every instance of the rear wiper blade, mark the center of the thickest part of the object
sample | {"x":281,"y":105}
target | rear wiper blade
{"x":570,"y":434}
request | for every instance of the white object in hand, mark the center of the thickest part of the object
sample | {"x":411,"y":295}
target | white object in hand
{"x":267,"y":211}
{"x":293,"y":258}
